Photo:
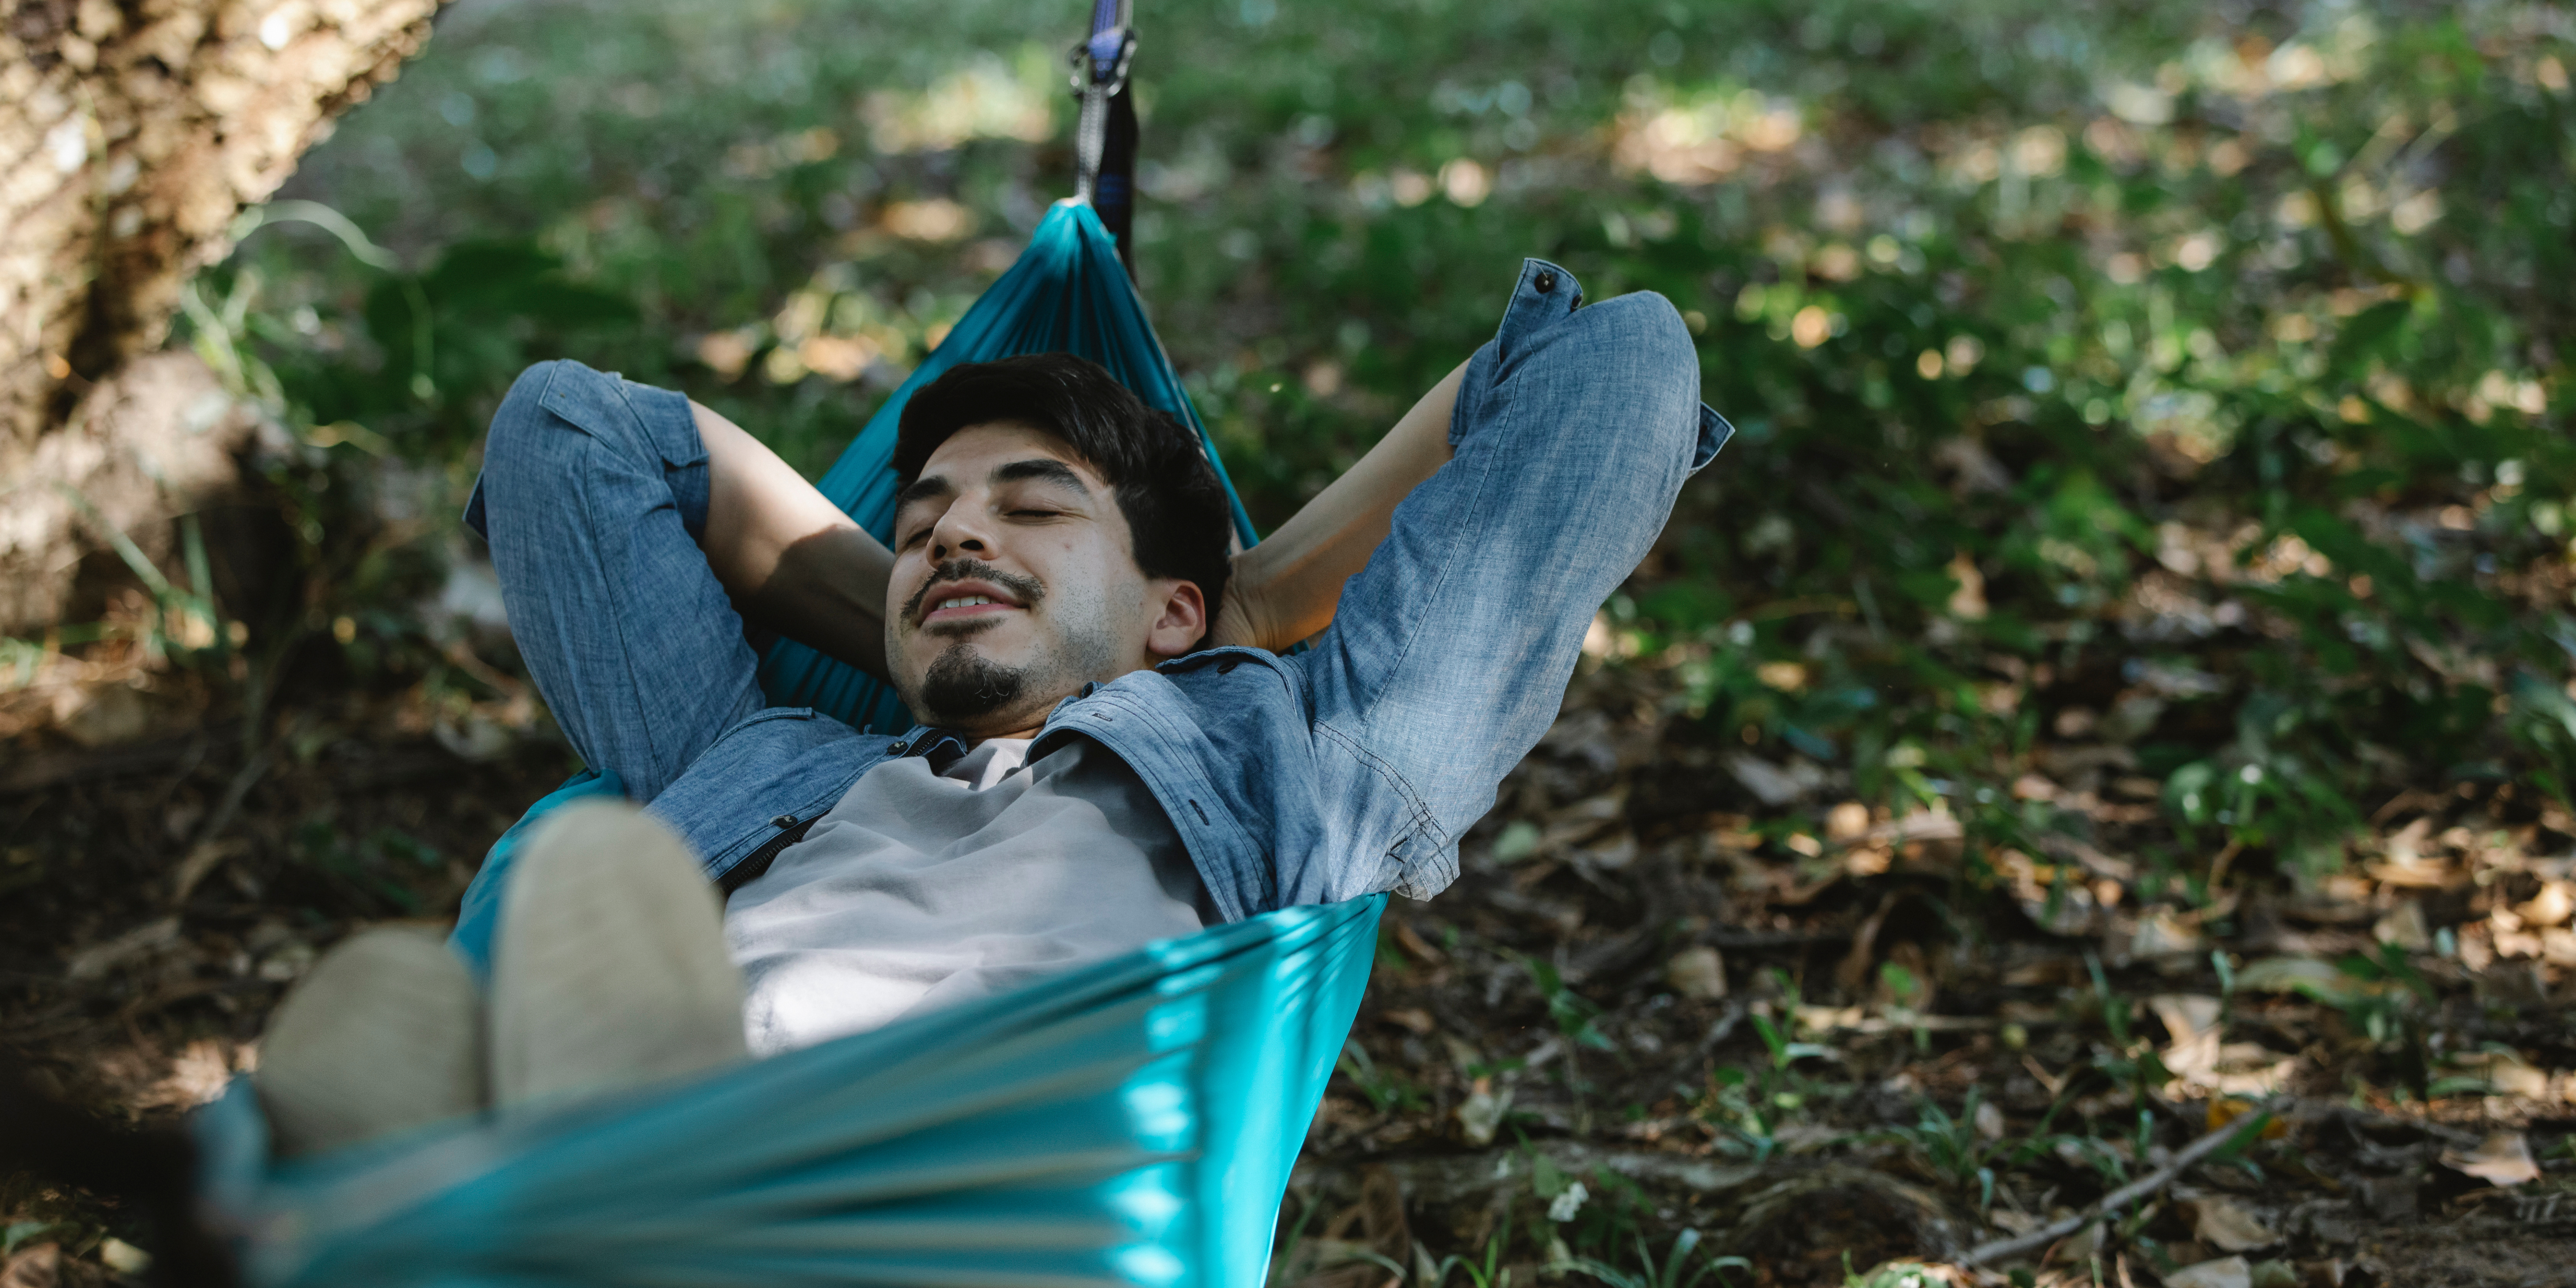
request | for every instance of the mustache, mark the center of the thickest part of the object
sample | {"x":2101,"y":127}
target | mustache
{"x":1028,"y":589}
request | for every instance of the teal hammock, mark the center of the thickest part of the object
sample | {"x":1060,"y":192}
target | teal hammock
{"x":1132,"y":1123}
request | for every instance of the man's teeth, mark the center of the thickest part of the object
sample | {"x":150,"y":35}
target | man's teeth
{"x":965,"y":601}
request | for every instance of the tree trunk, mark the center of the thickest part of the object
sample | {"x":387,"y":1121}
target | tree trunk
{"x":131,"y":134}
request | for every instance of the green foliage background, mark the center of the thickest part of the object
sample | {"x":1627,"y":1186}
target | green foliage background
{"x":2188,"y":377}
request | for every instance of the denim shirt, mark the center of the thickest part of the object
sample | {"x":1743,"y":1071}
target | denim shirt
{"x":1353,"y":766}
{"x":1347,"y":768}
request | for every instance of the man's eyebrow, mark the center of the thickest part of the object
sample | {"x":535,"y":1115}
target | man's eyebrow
{"x":1042,"y":470}
{"x":923,"y":489}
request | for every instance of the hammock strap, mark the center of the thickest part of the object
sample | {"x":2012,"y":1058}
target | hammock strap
{"x":1105,"y":138}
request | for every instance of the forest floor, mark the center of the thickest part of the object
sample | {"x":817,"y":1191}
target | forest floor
{"x":1851,"y":1057}
{"x":2099,"y":733}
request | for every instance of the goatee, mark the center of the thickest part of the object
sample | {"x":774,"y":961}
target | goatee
{"x":963,"y":684}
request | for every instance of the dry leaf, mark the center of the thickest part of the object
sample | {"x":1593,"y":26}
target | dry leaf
{"x":2011,"y":1222}
{"x":2079,"y":1247}
{"x":124,"y":1258}
{"x":1774,"y":785}
{"x":1381,"y":1232}
{"x":2033,"y":787}
{"x":200,"y":1075}
{"x":1990,"y":1120}
{"x":202,"y":860}
{"x":1697,"y":973}
{"x":1382,"y":1205}
{"x":2162,"y":932}
{"x":2505,"y":1159}
{"x":1415,"y":944}
{"x":2226,"y":1272}
{"x":2558,"y":946}
{"x":2227,"y":1109}
{"x":1414,"y":1018}
{"x":2404,"y":927}
{"x":98,"y":959}
{"x":1482,"y":1111}
{"x":2229,"y":1228}
{"x":2554,"y":904}
{"x":38,"y":1267}
{"x":2507,"y":1073}
{"x":1968,"y":601}
{"x":1847,"y":822}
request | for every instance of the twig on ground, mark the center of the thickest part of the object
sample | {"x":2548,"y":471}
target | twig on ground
{"x":1724,"y":1028}
{"x":2356,"y":1118}
{"x":55,"y":768}
{"x":2129,"y":1193}
{"x":205,"y":854}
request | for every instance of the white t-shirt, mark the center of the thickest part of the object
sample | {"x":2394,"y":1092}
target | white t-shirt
{"x":920,"y":890}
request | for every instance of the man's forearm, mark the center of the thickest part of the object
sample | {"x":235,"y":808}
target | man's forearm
{"x":1285,"y":589}
{"x":790,"y":559}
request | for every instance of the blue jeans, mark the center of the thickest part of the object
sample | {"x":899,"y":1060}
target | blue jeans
{"x":1344,"y":770}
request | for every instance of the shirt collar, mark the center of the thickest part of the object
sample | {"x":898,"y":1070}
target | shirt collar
{"x":941,"y":747}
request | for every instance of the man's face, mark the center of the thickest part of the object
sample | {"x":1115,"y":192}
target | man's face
{"x":1015,"y":582}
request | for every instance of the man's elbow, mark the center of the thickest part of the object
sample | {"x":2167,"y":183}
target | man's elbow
{"x":1658,"y":368}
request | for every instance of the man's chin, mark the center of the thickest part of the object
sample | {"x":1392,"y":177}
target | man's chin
{"x":968,"y":686}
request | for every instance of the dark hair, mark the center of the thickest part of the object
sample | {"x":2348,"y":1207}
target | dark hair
{"x":1176,"y":510}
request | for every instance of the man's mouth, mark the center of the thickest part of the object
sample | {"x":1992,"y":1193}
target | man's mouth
{"x":965,"y":601}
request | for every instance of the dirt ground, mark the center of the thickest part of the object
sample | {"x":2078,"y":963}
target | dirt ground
{"x":1635,"y":1014}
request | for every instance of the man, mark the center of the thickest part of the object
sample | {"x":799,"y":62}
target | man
{"x":1112,"y":750}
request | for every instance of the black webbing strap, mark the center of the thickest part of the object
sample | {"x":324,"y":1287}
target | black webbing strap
{"x":1105,"y":140}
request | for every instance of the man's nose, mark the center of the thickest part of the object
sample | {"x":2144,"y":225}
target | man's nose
{"x":958,"y":533}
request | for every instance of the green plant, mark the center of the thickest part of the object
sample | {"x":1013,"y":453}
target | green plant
{"x":1740,"y":1106}
{"x":1284,"y":1257}
{"x":1490,"y":1272}
{"x":1678,"y":1269}
{"x":1576,"y":1018}
{"x":1905,"y":992}
{"x":2387,"y":1000}
{"x":381,"y":869}
{"x":1386,"y":1092}
{"x":184,"y":619}
{"x":1952,"y":1147}
{"x":1902,"y":1274}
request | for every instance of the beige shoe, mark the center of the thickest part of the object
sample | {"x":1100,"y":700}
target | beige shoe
{"x":610,"y":968}
{"x":385,"y":1032}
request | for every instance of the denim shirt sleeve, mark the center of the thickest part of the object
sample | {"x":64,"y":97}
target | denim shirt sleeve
{"x":1713,"y":433}
{"x":1449,"y":654}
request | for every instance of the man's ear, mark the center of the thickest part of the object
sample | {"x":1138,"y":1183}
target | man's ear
{"x":1180,"y":619}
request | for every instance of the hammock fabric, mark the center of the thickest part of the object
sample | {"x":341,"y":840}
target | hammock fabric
{"x":1131,"y":1123}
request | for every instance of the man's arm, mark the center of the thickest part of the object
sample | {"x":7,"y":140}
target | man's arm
{"x":795,"y":564}
{"x":790,"y":559}
{"x":1284,"y":589}
{"x":1450,"y":652}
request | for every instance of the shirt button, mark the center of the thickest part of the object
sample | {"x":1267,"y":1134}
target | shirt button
{"x":1545,"y":281}
{"x":783,"y":820}
{"x":896,"y":748}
